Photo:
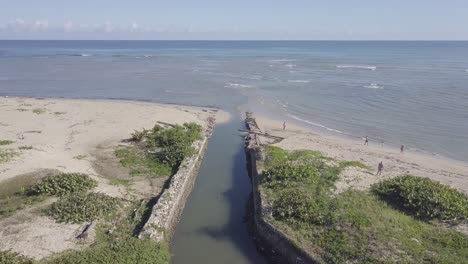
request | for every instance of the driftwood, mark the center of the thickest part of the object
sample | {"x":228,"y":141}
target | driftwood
{"x":261,"y":134}
{"x":85,"y":232}
{"x":166,"y":124}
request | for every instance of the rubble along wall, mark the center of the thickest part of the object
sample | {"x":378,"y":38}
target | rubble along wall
{"x":166,"y":212}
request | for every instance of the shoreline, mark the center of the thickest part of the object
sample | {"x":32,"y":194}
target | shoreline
{"x":448,"y":171}
{"x":331,"y":132}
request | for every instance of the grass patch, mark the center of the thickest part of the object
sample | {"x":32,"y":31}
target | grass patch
{"x":39,"y":111}
{"x":9,"y":257}
{"x":13,"y":195}
{"x":80,"y":208}
{"x":123,"y":182}
{"x":118,"y":246}
{"x":59,"y":113}
{"x":7,"y":155}
{"x":63,"y":184}
{"x":353,"y":163}
{"x":141,"y":163}
{"x":351,"y":227}
{"x":6,"y":142}
{"x":22,"y":109}
{"x":424,"y":198}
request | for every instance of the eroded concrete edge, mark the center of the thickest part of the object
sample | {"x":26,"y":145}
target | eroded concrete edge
{"x":166,"y":212}
{"x":281,"y":248}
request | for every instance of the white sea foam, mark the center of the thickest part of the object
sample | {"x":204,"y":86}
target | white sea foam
{"x":290,"y":65}
{"x":85,"y":55}
{"x":315,"y":124}
{"x":299,"y":81}
{"x":238,"y":85}
{"x":363,"y":67}
{"x":374,"y":86}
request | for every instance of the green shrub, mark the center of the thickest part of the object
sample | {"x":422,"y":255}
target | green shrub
{"x":423,"y":198}
{"x":63,"y":184}
{"x":79,"y":208}
{"x":300,"y":205}
{"x":9,"y":257}
{"x":175,"y":143}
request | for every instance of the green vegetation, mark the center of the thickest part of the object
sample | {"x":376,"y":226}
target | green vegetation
{"x":79,"y":208}
{"x":118,"y":246}
{"x":25,"y":147}
{"x":159,"y":151}
{"x":8,"y":257}
{"x":39,"y":111}
{"x":6,"y":142}
{"x":123,"y":182}
{"x":141,"y":163}
{"x":6,"y":155}
{"x":80,"y":157}
{"x":63,"y":184}
{"x":350,"y":227}
{"x":13,"y":195}
{"x":424,"y":198}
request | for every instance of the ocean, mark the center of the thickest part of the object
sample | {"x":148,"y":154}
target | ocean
{"x":398,"y":92}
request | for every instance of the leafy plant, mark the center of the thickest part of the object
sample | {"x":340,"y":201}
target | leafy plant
{"x":63,"y":184}
{"x":79,"y":208}
{"x":6,"y":142}
{"x":423,"y":198}
{"x":9,"y":257}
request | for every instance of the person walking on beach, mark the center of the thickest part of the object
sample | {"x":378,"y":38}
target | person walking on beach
{"x":366,"y":141}
{"x":284,"y":125}
{"x":402,"y":148}
{"x":380,"y":168}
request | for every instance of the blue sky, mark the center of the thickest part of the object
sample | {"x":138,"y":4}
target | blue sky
{"x":235,"y":19}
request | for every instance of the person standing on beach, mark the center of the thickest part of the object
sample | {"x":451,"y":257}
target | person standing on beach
{"x":284,"y":125}
{"x":402,"y":148}
{"x":380,"y":168}
{"x":366,"y":141}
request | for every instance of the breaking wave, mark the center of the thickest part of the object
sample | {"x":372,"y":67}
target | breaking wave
{"x":362,"y":67}
{"x":374,"y":86}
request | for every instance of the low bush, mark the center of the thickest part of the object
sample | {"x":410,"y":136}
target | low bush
{"x":423,"y":198}
{"x":9,"y":257}
{"x":299,"y":205}
{"x":79,"y":208}
{"x":63,"y":184}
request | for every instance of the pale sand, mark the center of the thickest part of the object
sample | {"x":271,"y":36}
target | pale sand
{"x":449,"y":172}
{"x":66,"y":135}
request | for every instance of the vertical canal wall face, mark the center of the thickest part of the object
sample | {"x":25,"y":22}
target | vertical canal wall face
{"x":280,"y":248}
{"x":166,"y":212}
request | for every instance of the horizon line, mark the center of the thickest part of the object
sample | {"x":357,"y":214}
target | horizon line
{"x":278,"y":40}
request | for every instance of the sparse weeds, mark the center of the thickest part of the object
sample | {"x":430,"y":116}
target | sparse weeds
{"x":6,"y":142}
{"x":39,"y":111}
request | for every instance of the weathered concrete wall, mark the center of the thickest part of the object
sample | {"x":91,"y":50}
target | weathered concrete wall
{"x":281,"y":248}
{"x":167,"y":211}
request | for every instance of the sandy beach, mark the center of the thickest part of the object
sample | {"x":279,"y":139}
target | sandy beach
{"x":73,"y":136}
{"x":449,"y":172}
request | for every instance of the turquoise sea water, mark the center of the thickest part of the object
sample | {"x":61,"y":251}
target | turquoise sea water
{"x":412,"y":93}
